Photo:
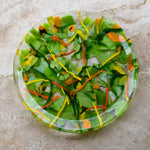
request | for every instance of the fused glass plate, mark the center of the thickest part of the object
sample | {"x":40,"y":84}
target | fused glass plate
{"x":76,"y":72}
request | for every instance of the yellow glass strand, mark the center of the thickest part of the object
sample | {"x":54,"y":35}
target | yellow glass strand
{"x":23,"y":39}
{"x":50,"y":52}
{"x":88,"y":73}
{"x":58,"y":114}
{"x":111,"y":57}
{"x":17,"y":52}
{"x":65,"y":95}
{"x":78,"y":32}
{"x":33,"y":81}
{"x":34,"y":110}
{"x":83,"y":23}
{"x":69,"y":71}
{"x":126,"y":90}
{"x":29,"y":61}
{"x":99,"y":118}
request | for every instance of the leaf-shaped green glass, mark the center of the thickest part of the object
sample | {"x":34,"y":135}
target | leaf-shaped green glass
{"x":75,"y":126}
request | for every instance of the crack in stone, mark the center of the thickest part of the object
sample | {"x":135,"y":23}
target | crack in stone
{"x":132,"y":21}
{"x":141,"y":4}
{"x":136,"y":6}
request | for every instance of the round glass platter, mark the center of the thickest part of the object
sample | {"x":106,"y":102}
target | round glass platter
{"x":76,"y":73}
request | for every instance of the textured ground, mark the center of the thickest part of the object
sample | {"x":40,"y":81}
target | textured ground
{"x":20,"y":131}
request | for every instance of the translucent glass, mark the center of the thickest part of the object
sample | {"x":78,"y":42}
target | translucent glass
{"x":75,"y":126}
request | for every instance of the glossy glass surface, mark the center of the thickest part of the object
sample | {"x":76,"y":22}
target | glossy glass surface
{"x":95,"y":122}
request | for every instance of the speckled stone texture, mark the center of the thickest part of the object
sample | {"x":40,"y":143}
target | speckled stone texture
{"x":20,"y":131}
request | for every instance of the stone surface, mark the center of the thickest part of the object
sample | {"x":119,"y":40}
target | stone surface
{"x":20,"y":131}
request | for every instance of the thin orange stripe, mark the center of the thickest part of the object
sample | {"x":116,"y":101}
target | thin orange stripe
{"x":89,"y":80}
